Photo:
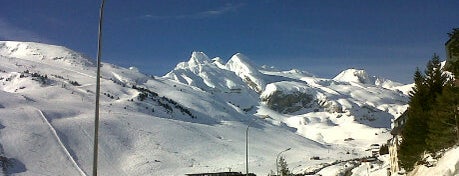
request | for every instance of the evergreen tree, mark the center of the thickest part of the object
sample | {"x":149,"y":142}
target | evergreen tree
{"x":283,"y":167}
{"x":414,"y":131}
{"x":454,"y":50}
{"x":432,"y":124}
{"x":442,"y":132}
{"x":435,"y":78}
{"x":422,"y":101}
{"x":454,"y":35}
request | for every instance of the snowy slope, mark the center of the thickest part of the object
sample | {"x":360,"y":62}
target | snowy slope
{"x":191,"y":120}
{"x":37,"y":52}
{"x":447,"y":165}
{"x":357,"y":76}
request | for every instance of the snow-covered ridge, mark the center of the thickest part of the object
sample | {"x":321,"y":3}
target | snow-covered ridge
{"x":191,"y":120}
{"x":241,"y":66}
{"x":299,"y":92}
{"x":236,"y":69}
{"x":43,"y":53}
{"x":197,"y":59}
{"x":362,"y":77}
{"x":354,"y":75}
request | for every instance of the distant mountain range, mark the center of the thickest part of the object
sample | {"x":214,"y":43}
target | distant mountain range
{"x":193,"y":119}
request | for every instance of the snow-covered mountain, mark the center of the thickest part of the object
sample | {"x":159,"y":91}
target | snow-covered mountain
{"x":193,"y":119}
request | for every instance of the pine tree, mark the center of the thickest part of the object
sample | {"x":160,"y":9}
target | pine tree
{"x":442,"y":132}
{"x":454,"y":35}
{"x":453,"y":65}
{"x":413,"y":133}
{"x":435,"y":78}
{"x":432,"y":124}
{"x":441,"y":124}
{"x":283,"y":167}
{"x":454,"y":68}
{"x":422,"y":101}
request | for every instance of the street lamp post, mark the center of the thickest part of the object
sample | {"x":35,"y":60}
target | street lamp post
{"x":96,"y":120}
{"x":247,"y":148}
{"x":277,"y":160}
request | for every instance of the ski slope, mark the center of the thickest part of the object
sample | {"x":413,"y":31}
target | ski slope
{"x":191,"y":120}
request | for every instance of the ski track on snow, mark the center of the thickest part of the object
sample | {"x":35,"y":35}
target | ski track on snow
{"x":53,"y":130}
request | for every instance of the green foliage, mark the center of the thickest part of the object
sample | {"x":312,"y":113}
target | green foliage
{"x":435,"y":78}
{"x":454,"y":36}
{"x":423,"y":103}
{"x":442,"y":132}
{"x":414,"y":134}
{"x":454,"y":33}
{"x":453,"y":65}
{"x":283,"y":167}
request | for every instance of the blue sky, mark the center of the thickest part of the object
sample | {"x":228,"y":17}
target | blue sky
{"x":386,"y":38}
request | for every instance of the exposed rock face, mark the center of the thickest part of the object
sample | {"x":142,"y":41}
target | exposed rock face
{"x":330,"y":106}
{"x":289,"y":103}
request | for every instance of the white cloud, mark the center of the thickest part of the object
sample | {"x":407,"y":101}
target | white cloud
{"x":199,"y":15}
{"x":11,"y":32}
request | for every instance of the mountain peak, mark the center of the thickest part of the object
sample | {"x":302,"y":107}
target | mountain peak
{"x":197,"y":58}
{"x":355,"y":75}
{"x":239,"y":63}
{"x":247,"y":71}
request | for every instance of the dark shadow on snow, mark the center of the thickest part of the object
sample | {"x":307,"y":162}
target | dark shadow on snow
{"x":11,"y":165}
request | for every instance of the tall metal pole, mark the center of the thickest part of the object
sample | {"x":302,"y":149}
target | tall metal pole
{"x":96,"y":121}
{"x":247,"y":148}
{"x":277,"y":160}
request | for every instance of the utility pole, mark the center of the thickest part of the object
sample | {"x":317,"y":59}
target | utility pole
{"x":96,"y":121}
